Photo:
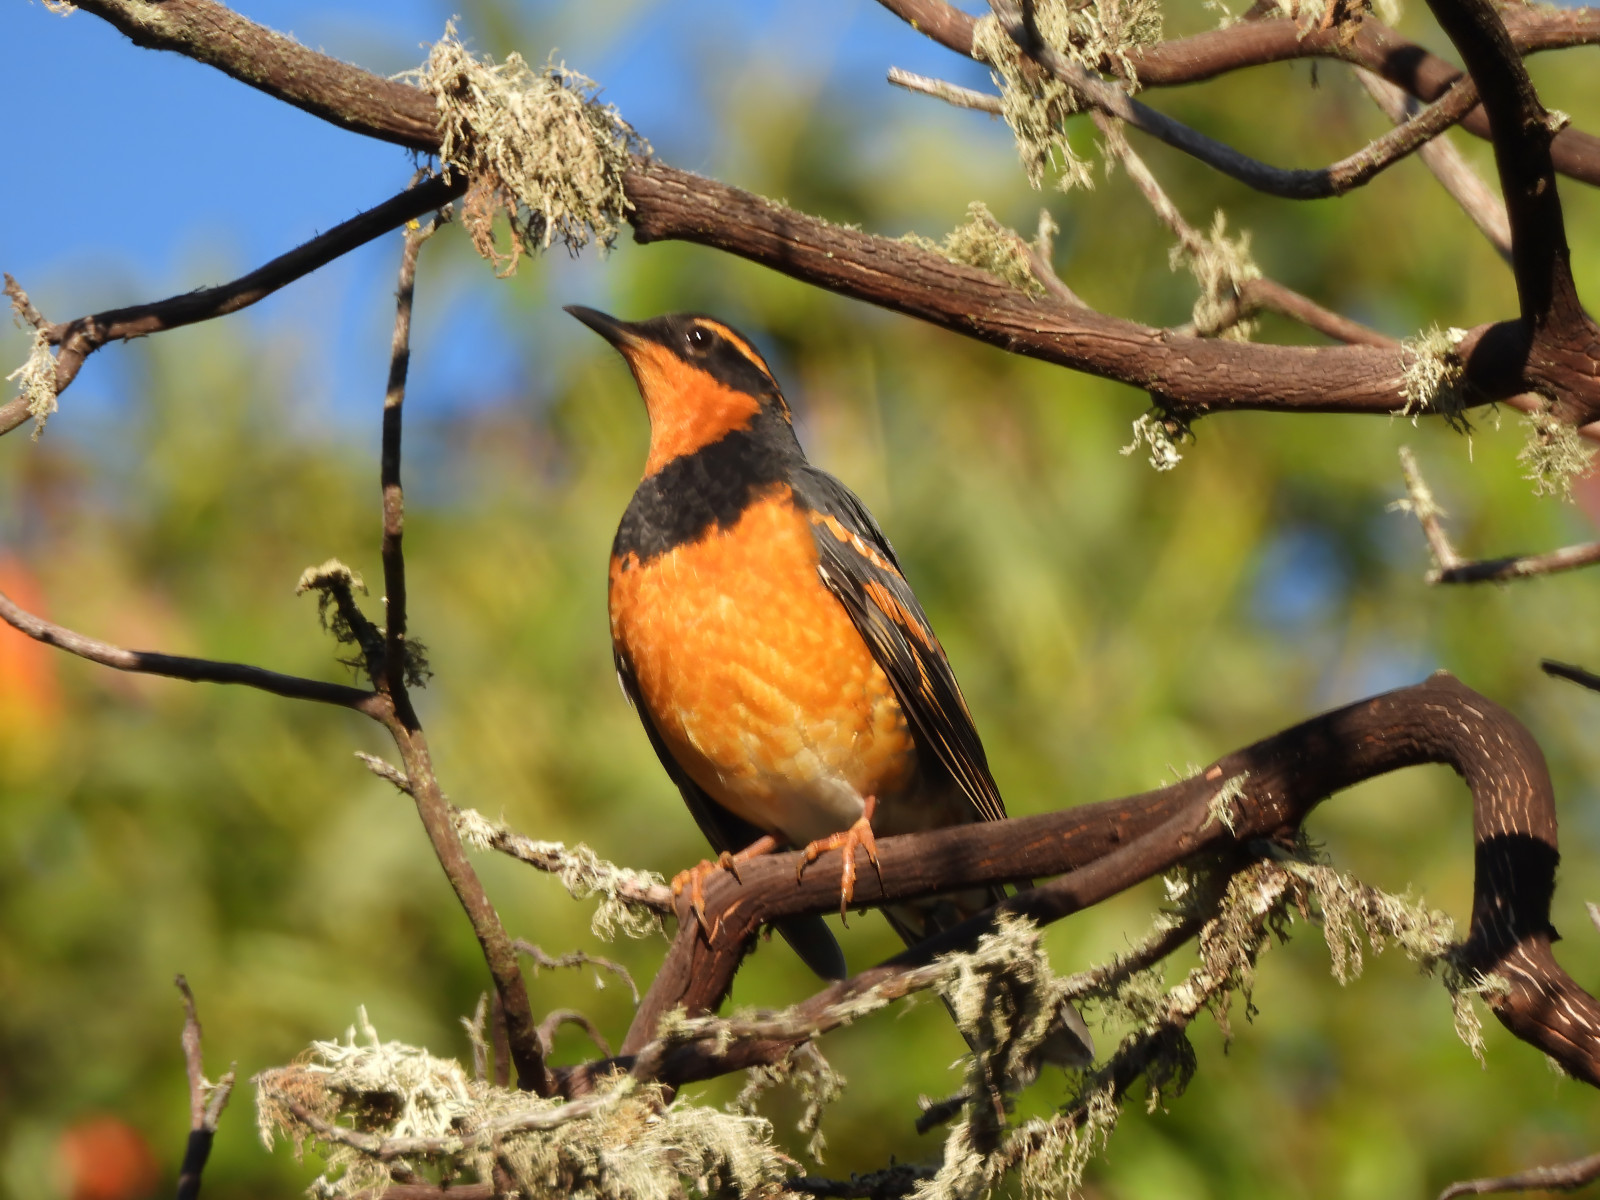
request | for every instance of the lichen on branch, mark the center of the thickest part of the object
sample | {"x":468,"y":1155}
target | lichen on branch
{"x":1097,"y":36}
{"x":535,"y":144}
{"x":36,"y":382}
{"x":369,"y":1107}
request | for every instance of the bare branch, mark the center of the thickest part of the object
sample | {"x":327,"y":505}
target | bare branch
{"x":195,"y":670}
{"x":1369,"y":44}
{"x":1449,"y":167}
{"x":81,"y":337}
{"x":206,"y":1100}
{"x":1577,"y":675}
{"x":1252,"y":294}
{"x":570,"y":1016}
{"x":1450,"y":567}
{"x":1312,"y":184}
{"x":1565,"y":1177}
{"x":401,"y":719}
{"x":577,"y":958}
{"x":950,"y":93}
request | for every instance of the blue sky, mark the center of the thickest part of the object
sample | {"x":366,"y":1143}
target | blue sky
{"x":140,"y":174}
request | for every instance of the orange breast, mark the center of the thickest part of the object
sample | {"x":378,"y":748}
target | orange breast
{"x":756,"y":679}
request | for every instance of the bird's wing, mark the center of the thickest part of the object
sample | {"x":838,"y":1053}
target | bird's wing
{"x":808,"y":936}
{"x":859,"y":567}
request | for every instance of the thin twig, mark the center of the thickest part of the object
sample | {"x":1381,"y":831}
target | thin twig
{"x":950,"y":93}
{"x":195,"y":670}
{"x":1448,"y":165}
{"x":206,"y":1100}
{"x":81,"y":337}
{"x":1252,"y":294}
{"x":402,"y":724}
{"x":1577,"y":675}
{"x":576,"y":958}
{"x":1565,"y":1177}
{"x":570,"y":1016}
{"x":1317,"y":184}
{"x":1452,"y":568}
{"x":1421,"y":504}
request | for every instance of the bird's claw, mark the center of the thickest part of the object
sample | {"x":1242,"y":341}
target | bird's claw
{"x":859,"y":834}
{"x":694,"y":879}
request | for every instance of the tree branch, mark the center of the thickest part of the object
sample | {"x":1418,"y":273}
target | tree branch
{"x":1098,"y":850}
{"x":81,"y":337}
{"x":1194,"y":376}
{"x":1450,"y":567}
{"x":1448,"y":165}
{"x":527,"y":1051}
{"x":1369,"y":44}
{"x":195,"y":670}
{"x":1300,"y":184}
{"x":206,"y":1100}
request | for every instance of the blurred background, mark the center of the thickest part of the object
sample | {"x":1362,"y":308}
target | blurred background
{"x":1111,"y":625}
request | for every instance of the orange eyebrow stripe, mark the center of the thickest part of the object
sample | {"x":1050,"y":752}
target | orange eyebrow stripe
{"x":741,"y":345}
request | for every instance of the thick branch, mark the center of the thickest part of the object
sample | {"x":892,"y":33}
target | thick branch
{"x":1193,"y":375}
{"x":1522,"y":132}
{"x":1101,"y":849}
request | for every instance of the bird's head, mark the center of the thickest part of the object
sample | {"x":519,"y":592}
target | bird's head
{"x":700,"y":380}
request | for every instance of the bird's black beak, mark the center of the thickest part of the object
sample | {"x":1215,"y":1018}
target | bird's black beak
{"x":620,"y":334}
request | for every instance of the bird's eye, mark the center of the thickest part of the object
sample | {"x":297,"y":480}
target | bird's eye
{"x":699,"y":339}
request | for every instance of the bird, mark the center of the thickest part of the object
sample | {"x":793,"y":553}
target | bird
{"x":763,"y":630}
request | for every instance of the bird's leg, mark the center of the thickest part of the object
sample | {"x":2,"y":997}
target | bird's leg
{"x":859,"y":834}
{"x":695,"y":877}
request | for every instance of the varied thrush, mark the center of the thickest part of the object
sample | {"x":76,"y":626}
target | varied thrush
{"x":763,"y":630}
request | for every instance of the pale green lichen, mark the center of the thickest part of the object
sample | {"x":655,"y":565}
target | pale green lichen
{"x":983,"y":242}
{"x":813,"y":1080}
{"x":36,"y":382}
{"x":581,"y":871}
{"x":1434,"y":374}
{"x":1219,"y":807}
{"x":1097,"y":36}
{"x":1162,"y":433}
{"x":1554,"y":454}
{"x":1221,"y":266}
{"x":534,"y":144}
{"x":377,"y":1106}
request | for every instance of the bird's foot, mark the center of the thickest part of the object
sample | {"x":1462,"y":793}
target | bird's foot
{"x":694,"y":879}
{"x":859,"y":834}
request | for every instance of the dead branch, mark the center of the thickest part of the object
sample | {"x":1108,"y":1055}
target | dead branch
{"x":576,"y":958}
{"x":82,"y":336}
{"x":206,"y":1099}
{"x":1564,"y":1177}
{"x":1450,"y":567}
{"x":195,"y":670}
{"x":400,"y":718}
{"x":1369,"y":44}
{"x":1449,"y":167}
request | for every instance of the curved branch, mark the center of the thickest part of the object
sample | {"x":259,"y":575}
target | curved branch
{"x":1101,"y":849}
{"x":82,"y":337}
